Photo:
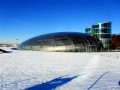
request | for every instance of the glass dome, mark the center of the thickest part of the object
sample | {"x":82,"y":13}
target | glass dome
{"x":61,"y":41}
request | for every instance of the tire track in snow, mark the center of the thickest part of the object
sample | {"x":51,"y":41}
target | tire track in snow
{"x":90,"y":68}
{"x":87,"y":72}
{"x":97,"y":80}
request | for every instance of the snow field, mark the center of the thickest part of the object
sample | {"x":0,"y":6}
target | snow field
{"x":24,"y":69}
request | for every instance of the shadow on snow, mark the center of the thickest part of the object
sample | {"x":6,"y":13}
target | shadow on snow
{"x":57,"y":82}
{"x":4,"y":51}
{"x":14,"y":49}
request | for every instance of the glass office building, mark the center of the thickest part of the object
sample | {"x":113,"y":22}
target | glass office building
{"x":62,"y":42}
{"x":89,"y":30}
{"x":103,"y":32}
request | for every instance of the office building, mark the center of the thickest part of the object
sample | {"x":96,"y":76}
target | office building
{"x":101,"y":31}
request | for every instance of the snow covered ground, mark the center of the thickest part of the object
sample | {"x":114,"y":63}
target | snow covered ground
{"x":35,"y":70}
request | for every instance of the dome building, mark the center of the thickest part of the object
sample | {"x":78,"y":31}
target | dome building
{"x":62,"y":42}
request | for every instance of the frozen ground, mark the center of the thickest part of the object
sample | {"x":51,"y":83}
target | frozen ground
{"x":34,"y":70}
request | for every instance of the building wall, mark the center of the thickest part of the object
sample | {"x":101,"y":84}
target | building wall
{"x":89,"y":31}
{"x":101,"y":31}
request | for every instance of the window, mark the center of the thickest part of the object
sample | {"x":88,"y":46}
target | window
{"x":106,"y":25}
{"x":62,"y":41}
{"x":105,"y":30}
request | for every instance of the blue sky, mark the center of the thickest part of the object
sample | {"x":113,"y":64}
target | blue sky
{"x":23,"y":19}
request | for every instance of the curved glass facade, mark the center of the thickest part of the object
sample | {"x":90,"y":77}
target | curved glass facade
{"x":61,"y":41}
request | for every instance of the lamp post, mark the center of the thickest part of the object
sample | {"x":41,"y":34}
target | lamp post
{"x":16,"y":42}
